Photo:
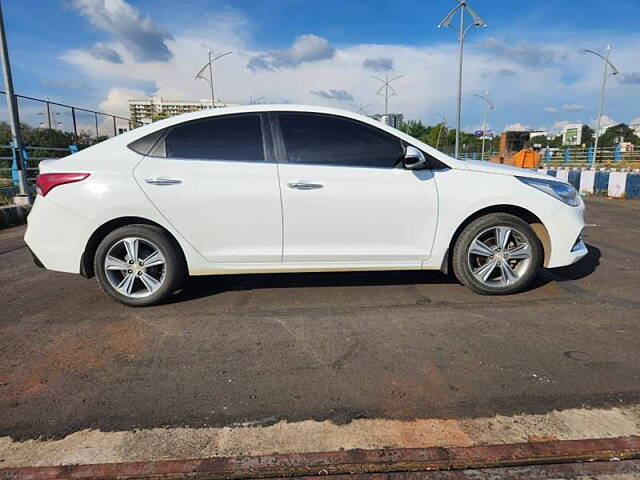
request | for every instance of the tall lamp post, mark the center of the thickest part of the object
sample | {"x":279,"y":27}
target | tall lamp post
{"x":487,"y":106}
{"x":607,"y":64}
{"x":14,"y":119}
{"x":442,"y":124}
{"x":462,"y":32}
{"x":209,"y":65}
{"x":386,"y":86}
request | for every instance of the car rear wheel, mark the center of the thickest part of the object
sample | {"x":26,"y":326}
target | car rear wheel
{"x":497,"y":254}
{"x":139,"y":265}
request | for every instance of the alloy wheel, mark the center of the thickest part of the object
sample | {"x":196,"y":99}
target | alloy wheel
{"x":135,"y":267}
{"x":499,"y":256}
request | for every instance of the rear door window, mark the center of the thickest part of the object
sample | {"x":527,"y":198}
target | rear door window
{"x":233,"y":137}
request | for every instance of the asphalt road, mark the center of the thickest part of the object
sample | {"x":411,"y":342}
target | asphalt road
{"x":256,"y":349}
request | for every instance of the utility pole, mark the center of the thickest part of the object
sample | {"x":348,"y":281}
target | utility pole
{"x":442,"y":124}
{"x":14,"y":118}
{"x":605,"y":76}
{"x":209,"y":65}
{"x":462,"y":32}
{"x":488,"y":106}
{"x":362,"y":108}
{"x":386,"y":86}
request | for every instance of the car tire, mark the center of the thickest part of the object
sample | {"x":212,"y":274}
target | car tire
{"x":497,"y":254}
{"x":139,"y":265}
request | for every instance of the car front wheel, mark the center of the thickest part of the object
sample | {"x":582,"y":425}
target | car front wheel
{"x":139,"y":265}
{"x":497,"y":254}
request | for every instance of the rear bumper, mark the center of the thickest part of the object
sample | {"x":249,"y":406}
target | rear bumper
{"x":36,"y":260}
{"x":56,"y":237}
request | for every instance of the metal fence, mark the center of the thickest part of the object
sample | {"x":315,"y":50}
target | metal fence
{"x":50,"y":130}
{"x":83,"y":123}
{"x":585,"y":156}
{"x":570,"y":156}
{"x":8,"y":170}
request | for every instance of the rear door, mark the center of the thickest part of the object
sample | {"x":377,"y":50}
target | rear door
{"x":214,"y":180}
{"x":346,"y":197}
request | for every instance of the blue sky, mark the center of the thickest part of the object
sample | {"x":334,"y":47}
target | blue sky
{"x":98,"y":53}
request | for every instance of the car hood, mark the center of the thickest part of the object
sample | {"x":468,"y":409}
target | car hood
{"x":499,"y":169}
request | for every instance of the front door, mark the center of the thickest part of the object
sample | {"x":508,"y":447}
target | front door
{"x":346,"y":197}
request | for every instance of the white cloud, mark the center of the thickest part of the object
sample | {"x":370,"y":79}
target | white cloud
{"x":630,"y":78}
{"x":312,"y":64}
{"x":558,"y":126}
{"x":528,"y":54}
{"x":306,"y":48}
{"x":517,"y":127}
{"x":117,"y":102}
{"x":333,"y":94}
{"x":104,"y":52}
{"x":139,"y":35}
{"x":507,"y":72}
{"x":380,"y":64}
{"x":575,"y":108}
{"x":606,"y":121}
{"x":567,"y":108}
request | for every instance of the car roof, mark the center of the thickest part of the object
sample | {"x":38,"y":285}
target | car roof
{"x":284,"y":107}
{"x":132,"y":135}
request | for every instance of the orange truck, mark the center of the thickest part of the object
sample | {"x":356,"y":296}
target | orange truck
{"x":515,"y":150}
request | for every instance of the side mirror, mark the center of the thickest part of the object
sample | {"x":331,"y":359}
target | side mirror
{"x":414,"y":159}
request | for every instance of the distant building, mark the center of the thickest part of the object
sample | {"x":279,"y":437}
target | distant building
{"x":572,"y":134}
{"x":538,"y":133}
{"x":392,"y":119}
{"x":627,"y":147}
{"x":636,"y":128}
{"x":147,"y":110}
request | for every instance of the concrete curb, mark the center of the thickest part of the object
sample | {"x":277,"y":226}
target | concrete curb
{"x":609,"y":182}
{"x":346,"y":462}
{"x":13,"y":215}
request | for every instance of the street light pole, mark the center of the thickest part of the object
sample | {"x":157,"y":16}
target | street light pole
{"x":462,"y":32}
{"x":386,"y":86}
{"x":488,"y":106}
{"x":14,"y":118}
{"x":209,"y":80}
{"x":605,"y":76}
{"x":213,"y":97}
{"x":442,"y":124}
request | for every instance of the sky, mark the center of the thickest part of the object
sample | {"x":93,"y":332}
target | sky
{"x":99,"y":53}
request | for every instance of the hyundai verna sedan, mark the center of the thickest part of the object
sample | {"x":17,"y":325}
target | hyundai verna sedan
{"x":287,"y":188}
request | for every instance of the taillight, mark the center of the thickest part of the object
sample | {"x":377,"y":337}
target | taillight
{"x":46,"y":181}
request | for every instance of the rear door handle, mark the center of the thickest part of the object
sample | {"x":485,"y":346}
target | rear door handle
{"x":305,"y":185}
{"x":162,"y":181}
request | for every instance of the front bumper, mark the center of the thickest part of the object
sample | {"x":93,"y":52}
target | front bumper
{"x":565,"y":227}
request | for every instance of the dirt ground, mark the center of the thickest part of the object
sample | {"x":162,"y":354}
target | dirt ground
{"x":247,"y":365}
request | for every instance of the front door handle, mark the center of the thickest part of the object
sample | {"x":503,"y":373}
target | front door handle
{"x":162,"y":181}
{"x":305,"y":185}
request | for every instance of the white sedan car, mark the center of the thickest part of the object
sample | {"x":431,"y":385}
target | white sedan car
{"x":285,"y":188}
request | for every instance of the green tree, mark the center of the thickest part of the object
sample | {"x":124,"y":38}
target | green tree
{"x":622,"y":131}
{"x":588,"y":136}
{"x":414,"y":128}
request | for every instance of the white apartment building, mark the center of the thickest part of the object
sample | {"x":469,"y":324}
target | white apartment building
{"x":392,"y":119}
{"x":147,"y":110}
